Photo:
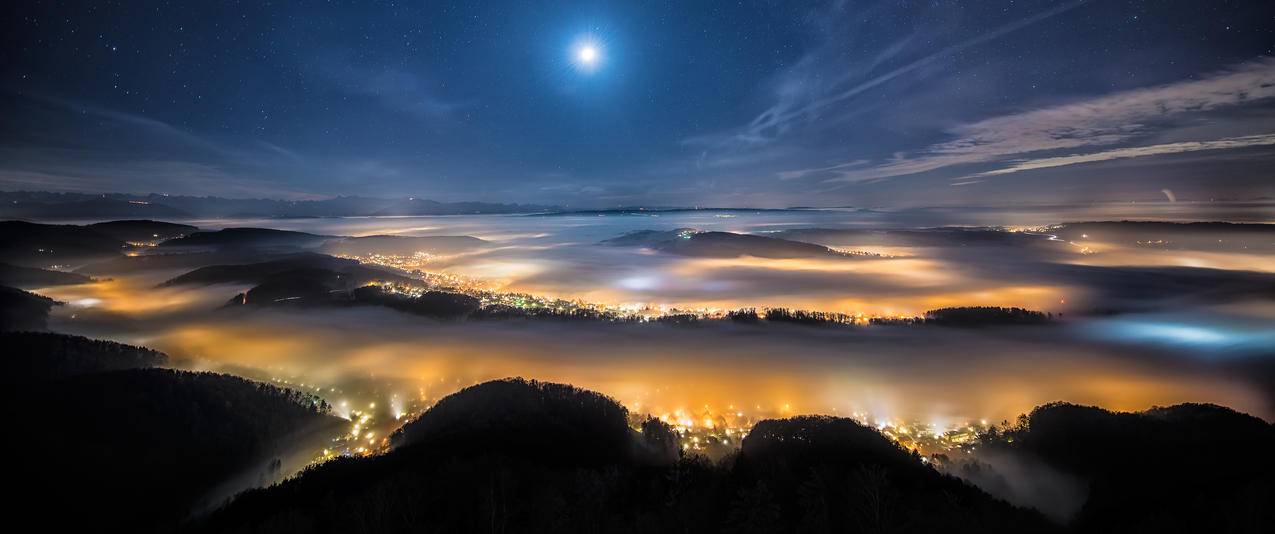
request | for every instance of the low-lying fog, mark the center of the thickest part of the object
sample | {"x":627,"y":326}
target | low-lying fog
{"x":560,"y":255}
{"x":912,"y":373}
{"x":1175,"y":345}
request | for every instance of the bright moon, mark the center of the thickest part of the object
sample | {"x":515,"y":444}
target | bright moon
{"x":587,"y":55}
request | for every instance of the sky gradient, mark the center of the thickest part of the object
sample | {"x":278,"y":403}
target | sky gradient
{"x":764,"y":104}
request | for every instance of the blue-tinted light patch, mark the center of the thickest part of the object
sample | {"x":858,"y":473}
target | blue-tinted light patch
{"x":1215,"y":337}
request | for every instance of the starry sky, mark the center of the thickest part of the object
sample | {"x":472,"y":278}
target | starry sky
{"x":715,"y":103}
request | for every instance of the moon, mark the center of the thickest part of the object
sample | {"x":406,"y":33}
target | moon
{"x":587,"y":55}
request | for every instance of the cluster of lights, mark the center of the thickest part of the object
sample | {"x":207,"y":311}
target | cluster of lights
{"x":488,"y":293}
{"x":708,"y":431}
{"x":434,"y":281}
{"x":406,"y":262}
{"x":371,"y":422}
{"x":714,"y":433}
{"x":928,"y":438}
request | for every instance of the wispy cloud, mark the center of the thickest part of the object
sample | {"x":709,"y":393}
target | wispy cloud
{"x":784,"y":112}
{"x":1136,"y":152}
{"x":1099,"y":122}
{"x":81,"y":170}
{"x":98,"y":152}
{"x":166,"y":135}
{"x":840,"y":167}
{"x":139,"y":123}
{"x":823,"y":81}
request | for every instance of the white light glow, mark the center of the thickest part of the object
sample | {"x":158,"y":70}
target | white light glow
{"x":587,"y":54}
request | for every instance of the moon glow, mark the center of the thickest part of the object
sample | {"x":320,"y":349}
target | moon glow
{"x":587,"y":55}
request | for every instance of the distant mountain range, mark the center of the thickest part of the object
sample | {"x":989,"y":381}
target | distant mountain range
{"x":45,"y":205}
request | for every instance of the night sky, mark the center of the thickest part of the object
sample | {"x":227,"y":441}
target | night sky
{"x":715,"y":103}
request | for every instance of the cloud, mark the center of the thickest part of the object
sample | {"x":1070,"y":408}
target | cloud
{"x":87,"y":170}
{"x":1136,"y":152}
{"x":792,"y":175}
{"x":783,"y":112}
{"x":288,"y":154}
{"x":1097,"y":122}
{"x":166,"y":136}
{"x":147,"y":125}
{"x":109,"y":150}
{"x":801,"y":94}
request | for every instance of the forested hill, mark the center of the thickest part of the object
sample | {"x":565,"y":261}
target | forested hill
{"x":23,"y":310}
{"x":133,"y":447}
{"x":47,"y":356}
{"x":525,"y":456}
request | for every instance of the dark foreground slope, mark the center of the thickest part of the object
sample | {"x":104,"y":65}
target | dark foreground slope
{"x":1185,"y":468}
{"x":23,"y":310}
{"x":519,"y":456}
{"x":831,"y":474}
{"x":42,"y":356}
{"x":101,"y":440}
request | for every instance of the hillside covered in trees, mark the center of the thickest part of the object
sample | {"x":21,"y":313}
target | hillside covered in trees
{"x":149,"y":449}
{"x":130,"y":446}
{"x":516,"y":455}
{"x":1184,"y":468}
{"x":32,"y":277}
{"x":23,"y":310}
